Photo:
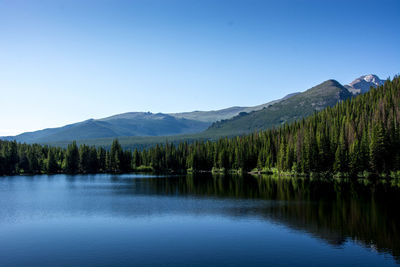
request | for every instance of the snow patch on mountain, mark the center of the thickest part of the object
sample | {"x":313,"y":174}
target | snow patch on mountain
{"x":362,"y":84}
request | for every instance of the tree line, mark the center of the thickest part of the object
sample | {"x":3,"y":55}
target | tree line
{"x":356,"y":135}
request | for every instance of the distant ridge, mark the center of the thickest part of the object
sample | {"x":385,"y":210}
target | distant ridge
{"x":223,"y":114}
{"x":225,"y":122}
{"x":136,"y":124}
{"x":126,"y":124}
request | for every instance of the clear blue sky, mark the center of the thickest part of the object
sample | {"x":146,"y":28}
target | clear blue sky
{"x":67,"y":61}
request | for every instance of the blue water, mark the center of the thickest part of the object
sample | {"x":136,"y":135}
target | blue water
{"x":126,"y":220}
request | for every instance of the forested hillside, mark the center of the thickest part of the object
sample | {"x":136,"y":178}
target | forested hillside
{"x":299,"y":106}
{"x":356,"y":135}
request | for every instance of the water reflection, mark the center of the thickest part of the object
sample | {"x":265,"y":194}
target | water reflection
{"x":333,"y":211}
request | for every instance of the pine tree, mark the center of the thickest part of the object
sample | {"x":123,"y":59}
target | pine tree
{"x":115,"y":156}
{"x":51,"y":163}
{"x":72,"y":158}
{"x":377,"y":148}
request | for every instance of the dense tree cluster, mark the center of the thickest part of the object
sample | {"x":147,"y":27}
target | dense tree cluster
{"x":359,"y":134}
{"x":22,"y":158}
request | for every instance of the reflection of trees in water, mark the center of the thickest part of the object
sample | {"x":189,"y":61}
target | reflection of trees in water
{"x":331,"y":210}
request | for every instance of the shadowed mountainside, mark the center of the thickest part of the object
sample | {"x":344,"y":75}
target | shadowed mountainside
{"x":299,"y":106}
{"x":127,"y":124}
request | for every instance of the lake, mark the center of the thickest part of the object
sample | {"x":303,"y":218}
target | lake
{"x":142,"y":220}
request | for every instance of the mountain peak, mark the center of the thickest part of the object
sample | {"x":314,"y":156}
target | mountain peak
{"x":331,"y":82}
{"x":363,"y":83}
{"x":371,"y":78}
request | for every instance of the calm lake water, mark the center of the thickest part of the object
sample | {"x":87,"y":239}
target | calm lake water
{"x":103,"y":220}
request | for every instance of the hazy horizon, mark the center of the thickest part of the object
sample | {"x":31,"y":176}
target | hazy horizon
{"x":66,"y":61}
{"x":144,"y":111}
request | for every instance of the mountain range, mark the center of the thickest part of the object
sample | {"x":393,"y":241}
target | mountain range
{"x":126,"y":124}
{"x":206,"y":124}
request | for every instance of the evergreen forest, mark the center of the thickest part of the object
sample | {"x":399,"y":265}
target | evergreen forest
{"x":358,"y":135}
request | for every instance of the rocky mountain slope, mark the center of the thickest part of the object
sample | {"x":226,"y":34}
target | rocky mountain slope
{"x":362,"y":84}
